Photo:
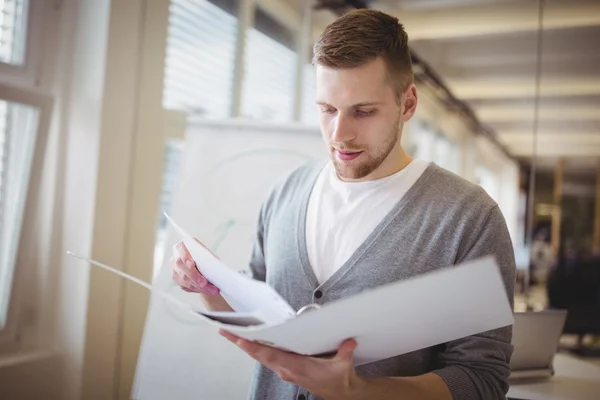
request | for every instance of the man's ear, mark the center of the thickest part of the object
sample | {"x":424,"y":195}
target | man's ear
{"x":409,"y":102}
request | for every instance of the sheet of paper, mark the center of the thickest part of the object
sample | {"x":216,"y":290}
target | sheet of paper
{"x":233,"y":318}
{"x":401,"y":317}
{"x":215,"y":318}
{"x":244,"y":294}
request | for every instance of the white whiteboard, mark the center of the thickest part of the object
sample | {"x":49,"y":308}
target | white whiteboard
{"x":226,"y":172}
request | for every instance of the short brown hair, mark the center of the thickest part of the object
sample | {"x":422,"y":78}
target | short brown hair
{"x":361,"y":36}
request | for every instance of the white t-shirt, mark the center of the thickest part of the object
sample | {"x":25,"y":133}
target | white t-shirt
{"x":341,"y":215}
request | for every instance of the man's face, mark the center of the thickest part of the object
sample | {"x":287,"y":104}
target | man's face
{"x":360,"y":119}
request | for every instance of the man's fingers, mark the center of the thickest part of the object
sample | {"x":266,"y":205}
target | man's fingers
{"x":183,"y":282}
{"x":192,"y":272}
{"x":229,"y":336}
{"x":189,"y":269}
{"x":184,"y":264}
{"x":268,"y":356}
{"x":186,"y":275}
{"x":246,"y":345}
{"x":346,"y":350}
{"x":201,"y":285}
{"x":182,"y":251}
{"x":178,"y":279}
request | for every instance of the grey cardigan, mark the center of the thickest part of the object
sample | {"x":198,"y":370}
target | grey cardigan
{"x":441,"y":221}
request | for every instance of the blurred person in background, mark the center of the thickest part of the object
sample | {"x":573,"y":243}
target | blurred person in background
{"x":574,"y":285}
{"x":542,"y":257}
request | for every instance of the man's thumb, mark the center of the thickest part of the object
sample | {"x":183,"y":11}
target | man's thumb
{"x":346,"y":350}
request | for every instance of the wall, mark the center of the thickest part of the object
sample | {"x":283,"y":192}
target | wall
{"x":32,"y":377}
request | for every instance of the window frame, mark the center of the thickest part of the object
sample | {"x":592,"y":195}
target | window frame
{"x":12,"y":333}
{"x":27,"y":73}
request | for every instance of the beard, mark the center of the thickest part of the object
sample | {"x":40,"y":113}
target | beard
{"x":368,"y":161}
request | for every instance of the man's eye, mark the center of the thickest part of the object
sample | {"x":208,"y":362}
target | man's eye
{"x":327,"y":110}
{"x":363,"y":113}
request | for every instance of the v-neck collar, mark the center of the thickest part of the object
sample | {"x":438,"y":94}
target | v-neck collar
{"x":361,"y":250}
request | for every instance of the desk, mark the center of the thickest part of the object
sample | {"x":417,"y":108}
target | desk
{"x":573,"y":380}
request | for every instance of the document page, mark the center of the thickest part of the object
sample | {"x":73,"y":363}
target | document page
{"x":400,"y":317}
{"x":244,"y":294}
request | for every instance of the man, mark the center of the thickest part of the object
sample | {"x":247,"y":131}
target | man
{"x":370,"y":216}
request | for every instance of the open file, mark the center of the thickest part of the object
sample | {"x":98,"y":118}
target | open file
{"x":394,"y":319}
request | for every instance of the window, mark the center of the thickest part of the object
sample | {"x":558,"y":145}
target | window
{"x":447,"y":154}
{"x":200,"y":57}
{"x":310,"y":112}
{"x":269,"y":71}
{"x":422,"y":141}
{"x":23,"y":118}
{"x":199,"y":75}
{"x":488,"y":181}
{"x":13,"y":31}
{"x":199,"y":71}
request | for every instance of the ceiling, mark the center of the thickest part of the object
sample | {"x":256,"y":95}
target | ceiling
{"x":486,"y":53}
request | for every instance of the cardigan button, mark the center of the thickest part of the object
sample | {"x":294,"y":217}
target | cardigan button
{"x":318,"y":294}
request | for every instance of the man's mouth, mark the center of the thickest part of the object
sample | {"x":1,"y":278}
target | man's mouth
{"x":347,"y":155}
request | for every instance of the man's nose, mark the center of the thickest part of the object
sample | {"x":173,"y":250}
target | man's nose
{"x":342,"y":129}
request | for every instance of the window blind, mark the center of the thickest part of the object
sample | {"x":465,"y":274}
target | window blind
{"x":13,"y":29}
{"x":199,"y":62}
{"x":18,"y":130}
{"x":3,"y":155}
{"x":269,"y":71}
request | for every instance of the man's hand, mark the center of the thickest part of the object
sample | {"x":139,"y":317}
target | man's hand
{"x":329,"y":378}
{"x":186,"y":275}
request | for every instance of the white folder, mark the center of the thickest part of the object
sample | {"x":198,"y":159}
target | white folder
{"x":398,"y":318}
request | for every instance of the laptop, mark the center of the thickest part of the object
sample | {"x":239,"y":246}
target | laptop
{"x":535,"y":339}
